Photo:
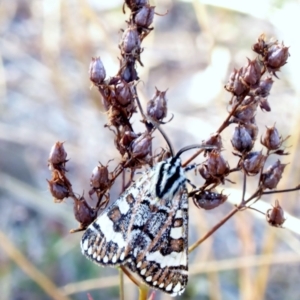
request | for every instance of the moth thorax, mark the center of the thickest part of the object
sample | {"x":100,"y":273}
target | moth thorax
{"x":170,"y":178}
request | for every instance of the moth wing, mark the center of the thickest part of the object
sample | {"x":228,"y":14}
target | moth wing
{"x":106,"y":241}
{"x":160,"y":245}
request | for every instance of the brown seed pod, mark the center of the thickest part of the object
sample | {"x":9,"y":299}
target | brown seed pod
{"x":253,"y":162}
{"x":145,"y":15}
{"x":235,"y":84}
{"x":264,"y":87}
{"x":123,"y":94}
{"x":276,"y":57}
{"x":157,"y":107}
{"x":252,"y":72}
{"x":272,"y":140}
{"x":100,"y":177}
{"x":241,"y":139}
{"x":215,"y":140}
{"x":130,"y":41}
{"x":59,"y":188}
{"x":209,"y":200}
{"x":83,"y":213}
{"x":272,"y":176}
{"x":141,"y":146}
{"x":247,"y":111}
{"x":275,"y":215}
{"x":97,"y":71}
{"x":57,"y":157}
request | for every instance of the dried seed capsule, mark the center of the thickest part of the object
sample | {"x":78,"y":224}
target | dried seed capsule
{"x":245,"y":113}
{"x":215,"y":140}
{"x":275,"y":215}
{"x":141,"y":146}
{"x":127,"y":138}
{"x":252,"y":72}
{"x":235,"y":85}
{"x":135,"y":4}
{"x":127,"y":70}
{"x":130,"y":40}
{"x":265,"y":86}
{"x":58,"y":189}
{"x":157,"y":107}
{"x":100,"y":177}
{"x":209,"y":200}
{"x":252,"y":129}
{"x":277,"y":56}
{"x":216,"y":164}
{"x":83,"y":213}
{"x":241,"y":139}
{"x":260,"y":46}
{"x":123,"y":93}
{"x":145,"y":15}
{"x":57,"y":155}
{"x":253,"y":162}
{"x":97,"y":71}
{"x":264,"y":104}
{"x":272,"y":176}
{"x":272,"y":140}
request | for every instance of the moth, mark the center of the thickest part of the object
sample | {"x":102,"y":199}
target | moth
{"x":146,"y":228}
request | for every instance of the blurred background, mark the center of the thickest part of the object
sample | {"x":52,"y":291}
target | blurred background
{"x":45,"y":50}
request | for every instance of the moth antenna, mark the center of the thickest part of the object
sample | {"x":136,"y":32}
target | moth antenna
{"x":195,"y":146}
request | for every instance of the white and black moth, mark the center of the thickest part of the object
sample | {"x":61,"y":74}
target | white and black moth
{"x":146,"y":228}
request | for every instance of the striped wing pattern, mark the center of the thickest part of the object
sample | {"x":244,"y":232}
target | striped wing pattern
{"x":146,"y":229}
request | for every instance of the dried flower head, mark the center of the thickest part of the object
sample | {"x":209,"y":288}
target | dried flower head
{"x":236,"y":86}
{"x":252,"y":72}
{"x":141,"y":146}
{"x":253,"y":162}
{"x":215,"y":168}
{"x":135,"y":4}
{"x":145,"y":15}
{"x":241,"y":140}
{"x":157,"y":107}
{"x":271,"y":177}
{"x":130,"y":42}
{"x":123,"y":94}
{"x":276,"y":57}
{"x":59,"y":186}
{"x":83,"y":213}
{"x":57,"y":156}
{"x":264,"y":104}
{"x":265,"y":86}
{"x":215,"y":140}
{"x":272,"y":140}
{"x":97,"y":71}
{"x":209,"y":200}
{"x":275,"y":215}
{"x":247,"y":111}
{"x":100,"y":177}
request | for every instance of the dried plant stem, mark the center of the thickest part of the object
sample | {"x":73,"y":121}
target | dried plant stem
{"x":282,"y":191}
{"x":41,"y":279}
{"x":129,"y":275}
{"x":143,"y":292}
{"x":121,"y":279}
{"x":215,"y":228}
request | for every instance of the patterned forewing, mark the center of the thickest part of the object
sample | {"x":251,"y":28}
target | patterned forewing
{"x":160,"y":250}
{"x":147,"y":233}
{"x":106,"y":241}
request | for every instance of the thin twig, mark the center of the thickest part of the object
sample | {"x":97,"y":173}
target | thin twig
{"x":121,"y":280}
{"x":297,"y":188}
{"x":215,"y":228}
{"x":129,"y":275}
